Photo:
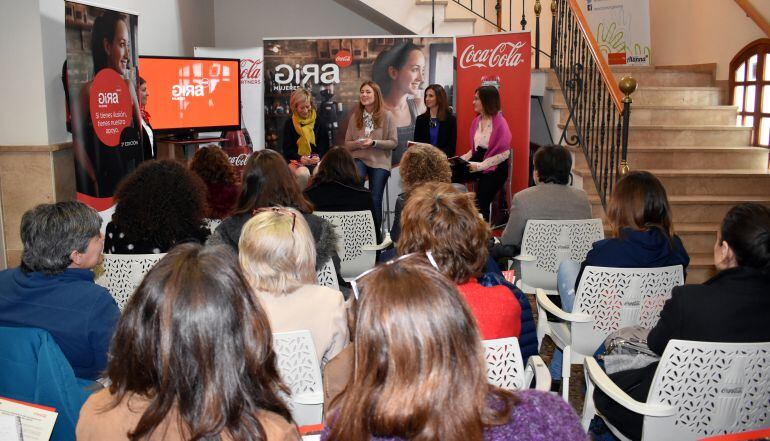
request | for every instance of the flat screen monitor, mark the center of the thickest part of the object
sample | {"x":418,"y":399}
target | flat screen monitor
{"x":192,"y":94}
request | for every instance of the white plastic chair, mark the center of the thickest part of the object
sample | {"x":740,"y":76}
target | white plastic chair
{"x":122,"y":273}
{"x":546,"y":243}
{"x":607,"y":299}
{"x":505,"y":366}
{"x":357,"y":246}
{"x":700,"y":389}
{"x":326,"y":276}
{"x":298,"y":366}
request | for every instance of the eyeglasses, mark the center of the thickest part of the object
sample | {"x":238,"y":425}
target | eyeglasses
{"x":279,"y":210}
{"x":353,"y":283}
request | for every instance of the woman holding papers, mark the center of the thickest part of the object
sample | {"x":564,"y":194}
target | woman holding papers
{"x":437,"y":126}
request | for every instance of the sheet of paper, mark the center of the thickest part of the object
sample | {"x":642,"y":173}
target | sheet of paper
{"x":36,"y":421}
{"x":10,"y":426}
{"x":311,"y":438}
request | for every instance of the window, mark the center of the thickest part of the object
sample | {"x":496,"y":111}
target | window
{"x":750,"y":86}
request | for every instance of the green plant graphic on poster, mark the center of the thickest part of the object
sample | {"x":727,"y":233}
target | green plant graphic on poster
{"x":622,"y":30}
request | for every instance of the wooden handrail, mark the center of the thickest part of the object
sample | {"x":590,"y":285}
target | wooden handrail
{"x":752,"y":12}
{"x":604,"y":68}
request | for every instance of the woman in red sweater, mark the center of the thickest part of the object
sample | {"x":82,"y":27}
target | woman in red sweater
{"x":440,"y":219}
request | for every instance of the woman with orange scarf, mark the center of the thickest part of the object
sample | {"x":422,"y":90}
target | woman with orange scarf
{"x":305,"y":136}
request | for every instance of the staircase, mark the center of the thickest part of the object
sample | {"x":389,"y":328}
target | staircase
{"x":681,"y":133}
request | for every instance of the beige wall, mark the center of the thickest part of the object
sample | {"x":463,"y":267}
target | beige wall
{"x":702,"y":31}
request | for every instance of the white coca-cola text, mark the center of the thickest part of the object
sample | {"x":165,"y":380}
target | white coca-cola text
{"x":506,"y":54}
{"x":240,"y":160}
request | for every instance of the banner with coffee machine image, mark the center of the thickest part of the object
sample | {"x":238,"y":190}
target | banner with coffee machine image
{"x":332,"y":69}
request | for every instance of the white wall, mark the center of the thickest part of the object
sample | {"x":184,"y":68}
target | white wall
{"x":242,"y":23}
{"x":33,"y":48}
{"x":702,"y":31}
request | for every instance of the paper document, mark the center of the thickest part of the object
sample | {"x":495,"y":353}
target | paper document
{"x":36,"y":421}
{"x":10,"y":428}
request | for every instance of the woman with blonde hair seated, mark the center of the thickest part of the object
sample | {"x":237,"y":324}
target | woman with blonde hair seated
{"x":305,"y":136}
{"x":191,"y":359}
{"x":277,"y":255}
{"x":420,"y":374}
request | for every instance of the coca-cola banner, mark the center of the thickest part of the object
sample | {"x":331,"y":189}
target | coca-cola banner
{"x":252,"y":91}
{"x":104,"y":99}
{"x":502,"y":60}
{"x":332,"y":69}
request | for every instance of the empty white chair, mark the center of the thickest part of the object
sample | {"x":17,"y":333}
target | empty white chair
{"x":326,"y":276}
{"x":700,"y":389}
{"x":122,"y":273}
{"x":298,"y":366}
{"x":357,"y":246}
{"x":505,"y":366}
{"x":546,"y":243}
{"x":606,"y":300}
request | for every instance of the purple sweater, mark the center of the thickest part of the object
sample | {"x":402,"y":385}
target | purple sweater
{"x":539,"y":416}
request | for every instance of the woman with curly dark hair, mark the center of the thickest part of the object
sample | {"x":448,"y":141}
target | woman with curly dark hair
{"x":159,"y":205}
{"x":268,"y":182}
{"x":213,"y":166}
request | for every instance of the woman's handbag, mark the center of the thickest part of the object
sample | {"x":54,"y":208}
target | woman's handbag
{"x":627,"y":349}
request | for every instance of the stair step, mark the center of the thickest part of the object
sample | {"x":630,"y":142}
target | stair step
{"x":701,"y":268}
{"x":653,"y":95}
{"x":701,"y":182}
{"x":678,"y":115}
{"x":697,"y":157}
{"x":706,"y":208}
{"x":651,"y":76}
{"x":666,"y":135}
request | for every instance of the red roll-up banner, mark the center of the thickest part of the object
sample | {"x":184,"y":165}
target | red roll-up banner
{"x":501,"y":60}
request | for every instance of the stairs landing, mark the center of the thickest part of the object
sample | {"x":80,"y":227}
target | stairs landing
{"x":682,"y":133}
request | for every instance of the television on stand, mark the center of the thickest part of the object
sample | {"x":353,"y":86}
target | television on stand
{"x":187,"y":96}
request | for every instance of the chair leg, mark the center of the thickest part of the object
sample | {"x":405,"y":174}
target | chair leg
{"x":589,"y":408}
{"x":565,"y":372}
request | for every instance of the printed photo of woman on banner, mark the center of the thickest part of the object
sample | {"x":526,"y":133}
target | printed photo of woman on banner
{"x":332,"y":70}
{"x":106,"y":116}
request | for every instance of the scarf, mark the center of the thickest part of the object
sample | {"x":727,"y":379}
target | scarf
{"x":145,"y":114}
{"x":304,"y":128}
{"x":368,"y":123}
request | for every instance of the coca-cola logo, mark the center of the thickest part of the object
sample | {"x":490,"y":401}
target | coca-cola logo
{"x":240,"y":160}
{"x":343,"y":58}
{"x":506,"y":54}
{"x":251,"y":71}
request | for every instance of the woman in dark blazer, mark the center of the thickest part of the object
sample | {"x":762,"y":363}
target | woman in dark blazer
{"x":437,"y":126}
{"x":730,"y":307}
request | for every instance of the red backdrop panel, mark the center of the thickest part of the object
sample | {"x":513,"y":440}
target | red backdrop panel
{"x":503,"y":59}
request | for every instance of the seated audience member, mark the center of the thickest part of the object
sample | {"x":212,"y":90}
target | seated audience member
{"x":159,"y":205}
{"x":642,"y":234}
{"x":730,"y":307}
{"x":192,"y":358}
{"x":268,"y":182}
{"x":54,"y":287}
{"x":440,"y":219}
{"x":213,"y":166}
{"x":336,"y":186}
{"x":419,"y":370}
{"x":278,"y":258}
{"x":420,"y":164}
{"x":551,"y":199}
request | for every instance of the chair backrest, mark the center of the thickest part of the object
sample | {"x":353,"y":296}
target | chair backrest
{"x":33,"y":369}
{"x":505,"y":366}
{"x":212,"y":224}
{"x":716,"y":388}
{"x":620,"y":297}
{"x":122,"y":274}
{"x":354,"y":229}
{"x":326,"y":276}
{"x":551,"y":242}
{"x":298,"y":366}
